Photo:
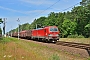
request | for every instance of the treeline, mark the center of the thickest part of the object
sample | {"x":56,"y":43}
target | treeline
{"x":72,"y":23}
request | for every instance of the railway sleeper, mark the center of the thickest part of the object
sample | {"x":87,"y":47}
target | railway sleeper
{"x":65,"y":44}
{"x":71,"y":45}
{"x":81,"y":47}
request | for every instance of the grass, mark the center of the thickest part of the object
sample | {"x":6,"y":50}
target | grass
{"x":78,"y":40}
{"x":55,"y":57}
{"x":3,"y":40}
{"x":14,"y":49}
{"x":88,"y":58}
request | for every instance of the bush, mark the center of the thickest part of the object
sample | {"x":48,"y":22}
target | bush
{"x":72,"y":36}
{"x":75,"y":36}
{"x":55,"y":57}
{"x":80,"y":36}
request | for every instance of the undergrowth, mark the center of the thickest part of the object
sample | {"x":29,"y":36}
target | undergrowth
{"x":75,"y":36}
{"x":54,"y":57}
{"x":6,"y":40}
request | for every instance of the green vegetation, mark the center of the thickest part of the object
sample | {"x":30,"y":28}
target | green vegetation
{"x":77,"y":40}
{"x":88,"y":58}
{"x":1,"y":20}
{"x":55,"y":57}
{"x":70,"y":23}
{"x":7,"y":40}
{"x":0,"y":31}
{"x":75,"y":36}
{"x":14,"y":49}
{"x":4,"y":40}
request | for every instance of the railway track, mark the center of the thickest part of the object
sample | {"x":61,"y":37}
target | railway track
{"x":73,"y":44}
{"x":82,"y":50}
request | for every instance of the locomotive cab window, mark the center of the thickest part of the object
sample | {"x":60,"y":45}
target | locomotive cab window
{"x":53,"y":29}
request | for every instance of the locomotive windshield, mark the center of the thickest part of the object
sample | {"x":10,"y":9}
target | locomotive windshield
{"x":53,"y":29}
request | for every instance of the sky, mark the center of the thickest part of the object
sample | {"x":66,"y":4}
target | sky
{"x":28,"y":10}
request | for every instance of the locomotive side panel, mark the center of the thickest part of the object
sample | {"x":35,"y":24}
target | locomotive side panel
{"x":41,"y":33}
{"x":34,"y":34}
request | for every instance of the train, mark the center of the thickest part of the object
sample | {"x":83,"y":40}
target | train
{"x":47,"y":34}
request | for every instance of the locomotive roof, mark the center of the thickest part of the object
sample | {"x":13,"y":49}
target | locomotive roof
{"x":49,"y":26}
{"x":38,"y":29}
{"x":44,"y":27}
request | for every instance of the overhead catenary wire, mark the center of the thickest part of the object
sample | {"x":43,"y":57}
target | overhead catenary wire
{"x":40,"y":4}
{"x":56,"y":3}
{"x":70,"y":7}
{"x":47,"y":8}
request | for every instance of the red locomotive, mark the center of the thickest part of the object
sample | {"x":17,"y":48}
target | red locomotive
{"x":49,"y":33}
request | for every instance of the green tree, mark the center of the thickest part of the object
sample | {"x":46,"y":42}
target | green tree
{"x":87,"y":30}
{"x":0,"y":31}
{"x":81,"y":17}
{"x":68,"y":28}
{"x":85,"y":2}
{"x":25,"y":26}
{"x":1,"y":20}
{"x":40,"y":22}
{"x":51,"y":19}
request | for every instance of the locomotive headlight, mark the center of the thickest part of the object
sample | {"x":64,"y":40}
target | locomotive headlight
{"x":50,"y":35}
{"x":53,"y":35}
{"x":57,"y":35}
